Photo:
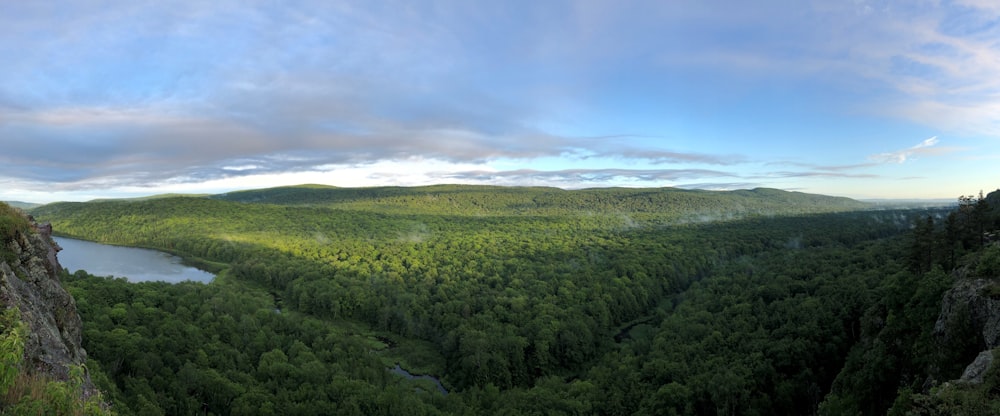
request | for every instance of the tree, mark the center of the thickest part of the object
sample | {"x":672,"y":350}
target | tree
{"x":981,"y":215}
{"x":922,"y":245}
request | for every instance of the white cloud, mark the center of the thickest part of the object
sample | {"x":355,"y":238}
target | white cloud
{"x":981,"y":5}
{"x":934,"y":64}
{"x":241,"y":168}
{"x":901,"y":156}
{"x":927,"y":142}
{"x":240,"y":95}
{"x":90,"y":116}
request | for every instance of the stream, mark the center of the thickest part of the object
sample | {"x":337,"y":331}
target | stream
{"x":625,"y":332}
{"x":399,"y":370}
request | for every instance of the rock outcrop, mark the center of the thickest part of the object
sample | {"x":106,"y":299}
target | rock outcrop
{"x":968,"y":300}
{"x":972,"y":304}
{"x":29,"y":281}
{"x":974,"y":373}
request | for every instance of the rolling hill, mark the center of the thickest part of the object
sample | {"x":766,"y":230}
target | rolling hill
{"x":519,"y":300}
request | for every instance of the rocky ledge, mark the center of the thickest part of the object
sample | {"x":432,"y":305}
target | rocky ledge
{"x":974,"y":303}
{"x":29,"y":281}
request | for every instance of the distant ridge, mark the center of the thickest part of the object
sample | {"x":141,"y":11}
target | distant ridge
{"x":485,"y":199}
{"x":157,"y":196}
{"x":634,"y":206}
{"x":22,"y":205}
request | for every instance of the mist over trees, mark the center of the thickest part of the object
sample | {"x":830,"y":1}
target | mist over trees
{"x":522,"y":301}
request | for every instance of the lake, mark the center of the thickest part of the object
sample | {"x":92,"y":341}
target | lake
{"x":134,"y":264}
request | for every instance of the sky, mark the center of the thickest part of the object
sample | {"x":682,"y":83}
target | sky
{"x":865,"y":99}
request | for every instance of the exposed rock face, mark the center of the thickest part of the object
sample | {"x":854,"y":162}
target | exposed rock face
{"x":983,"y":311}
{"x":974,"y":373}
{"x":972,"y":302}
{"x":31,"y":284}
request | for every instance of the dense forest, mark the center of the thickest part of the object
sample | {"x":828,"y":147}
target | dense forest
{"x":530,"y":301}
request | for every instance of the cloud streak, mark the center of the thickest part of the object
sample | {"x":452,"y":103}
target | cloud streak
{"x":585,"y":177}
{"x":926,"y":147}
{"x":931,"y":63}
{"x":134,"y":147}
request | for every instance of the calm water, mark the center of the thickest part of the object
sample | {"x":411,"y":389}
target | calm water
{"x":135,"y":264}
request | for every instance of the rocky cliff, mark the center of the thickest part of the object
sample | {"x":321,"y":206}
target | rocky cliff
{"x":971,"y":308}
{"x":970,"y":300}
{"x":29,"y":281}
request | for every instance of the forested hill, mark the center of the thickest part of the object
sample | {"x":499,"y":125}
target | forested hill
{"x":529,"y":301}
{"x":22,"y":205}
{"x":495,"y":200}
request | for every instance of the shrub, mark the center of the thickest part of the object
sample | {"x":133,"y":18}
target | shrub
{"x":989,"y":262}
{"x":11,"y":222}
{"x":22,"y":392}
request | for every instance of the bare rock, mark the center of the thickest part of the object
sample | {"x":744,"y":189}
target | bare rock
{"x":967,"y":300}
{"x":30,"y":282}
{"x":974,"y":373}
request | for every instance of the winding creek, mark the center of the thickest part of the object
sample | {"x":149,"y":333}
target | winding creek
{"x":134,"y":264}
{"x":399,"y":370}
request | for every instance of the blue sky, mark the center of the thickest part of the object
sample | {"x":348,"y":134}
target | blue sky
{"x":866,"y":99}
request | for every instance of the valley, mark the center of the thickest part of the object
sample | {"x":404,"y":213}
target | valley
{"x":519,"y":300}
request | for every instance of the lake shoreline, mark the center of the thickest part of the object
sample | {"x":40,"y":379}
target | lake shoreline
{"x":135,"y":263}
{"x":187,"y":260}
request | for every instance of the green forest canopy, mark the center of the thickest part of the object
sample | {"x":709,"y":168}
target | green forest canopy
{"x":523,"y":300}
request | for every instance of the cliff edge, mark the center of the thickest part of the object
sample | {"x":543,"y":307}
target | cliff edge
{"x":29,"y":281}
{"x":971,"y":301}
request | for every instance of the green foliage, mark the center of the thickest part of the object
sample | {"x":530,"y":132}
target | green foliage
{"x":12,"y":333}
{"x":661,"y":204}
{"x":899,"y":353}
{"x":992,"y":291}
{"x":954,"y":398}
{"x":24,"y":393}
{"x":896,"y":347}
{"x":514,"y":297}
{"x":21,"y":205}
{"x":989,"y":262}
{"x":222,"y":349}
{"x":12,"y":221}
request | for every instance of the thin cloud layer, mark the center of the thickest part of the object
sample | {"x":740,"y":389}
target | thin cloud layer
{"x":573,"y":178}
{"x":926,"y":147}
{"x":97,"y":96}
